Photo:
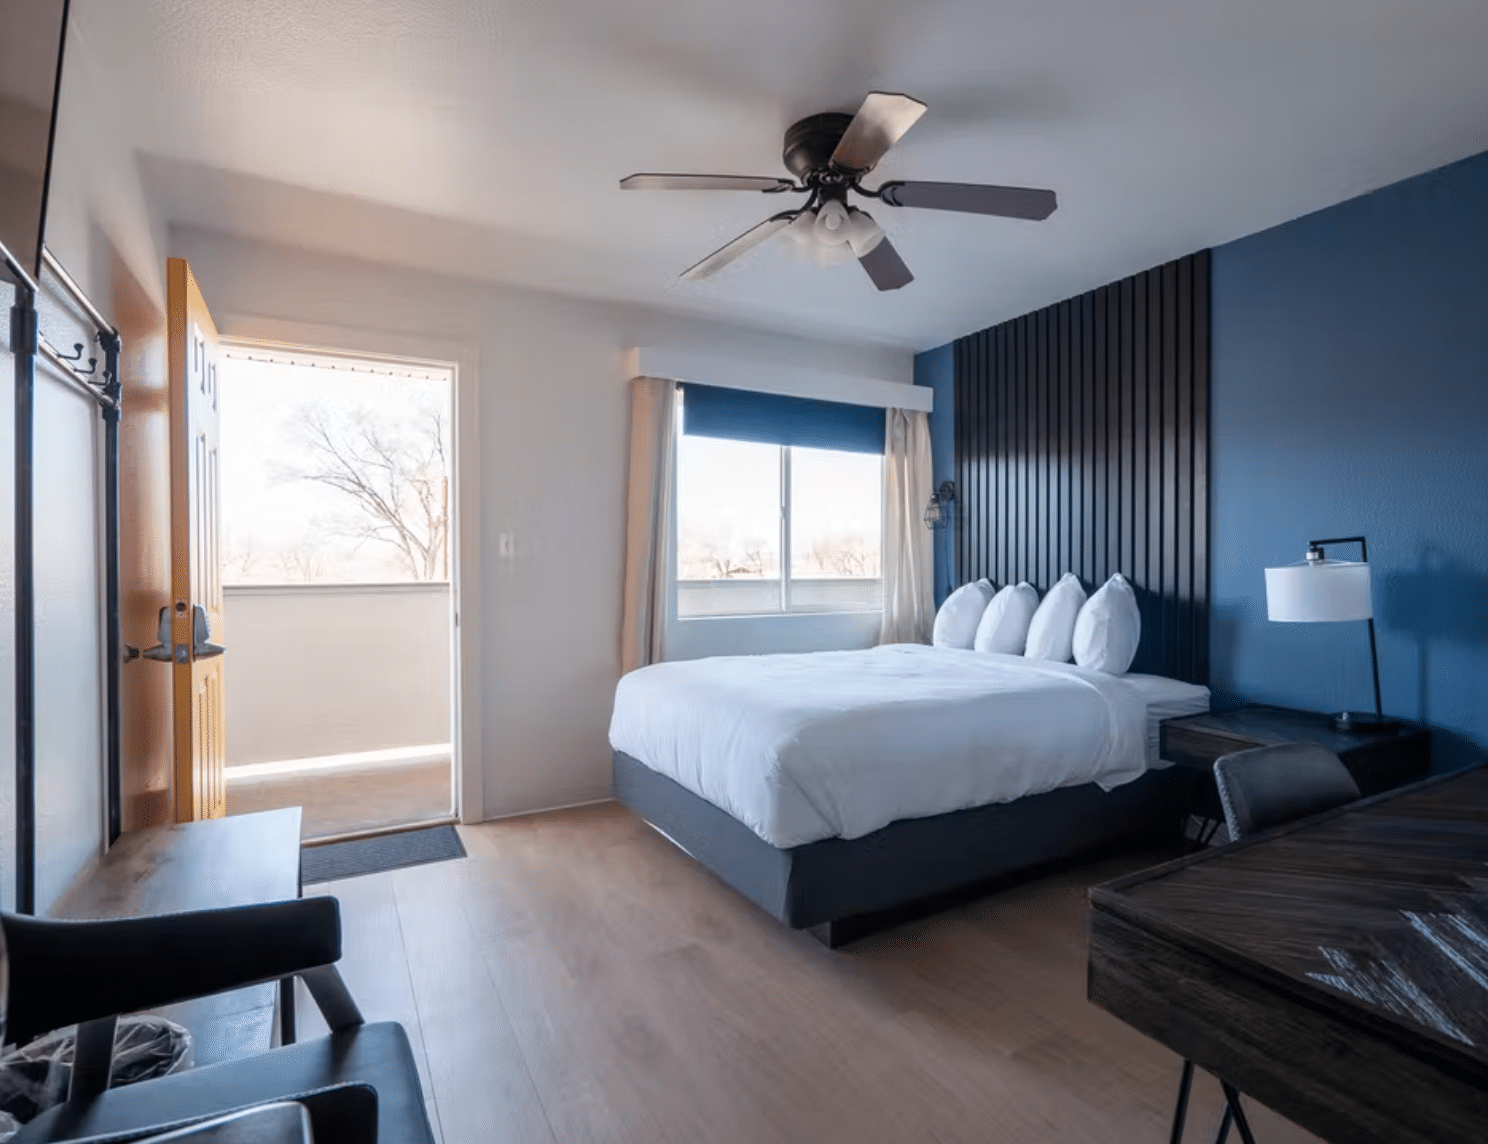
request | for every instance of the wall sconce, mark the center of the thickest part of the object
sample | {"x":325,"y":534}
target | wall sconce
{"x":938,"y":511}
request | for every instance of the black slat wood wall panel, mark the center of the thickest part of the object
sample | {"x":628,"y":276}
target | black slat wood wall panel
{"x":1082,"y":445}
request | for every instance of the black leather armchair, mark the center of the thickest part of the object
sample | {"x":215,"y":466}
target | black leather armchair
{"x":359,"y":1084}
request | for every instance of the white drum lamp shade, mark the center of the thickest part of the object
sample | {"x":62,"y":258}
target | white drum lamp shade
{"x":1319,"y":591}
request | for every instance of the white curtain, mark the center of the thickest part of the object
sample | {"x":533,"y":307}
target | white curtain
{"x":653,"y":439}
{"x":908,"y":555}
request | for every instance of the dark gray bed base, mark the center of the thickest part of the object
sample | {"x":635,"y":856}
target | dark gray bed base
{"x":824,"y":886}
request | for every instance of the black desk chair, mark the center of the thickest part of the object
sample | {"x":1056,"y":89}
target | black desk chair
{"x":1259,"y":789}
{"x":1268,"y":786}
{"x":90,"y":972}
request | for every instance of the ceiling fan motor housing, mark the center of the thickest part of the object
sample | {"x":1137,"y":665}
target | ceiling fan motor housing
{"x":810,"y":142}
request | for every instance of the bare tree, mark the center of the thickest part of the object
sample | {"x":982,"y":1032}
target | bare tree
{"x":294,"y":564}
{"x":395,"y":477}
{"x":849,"y":556}
{"x":241,"y":560}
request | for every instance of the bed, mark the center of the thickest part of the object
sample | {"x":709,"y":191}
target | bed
{"x":836,"y":787}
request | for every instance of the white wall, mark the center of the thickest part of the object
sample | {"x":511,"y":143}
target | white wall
{"x":97,"y":223}
{"x":329,"y":669}
{"x":543,"y":406}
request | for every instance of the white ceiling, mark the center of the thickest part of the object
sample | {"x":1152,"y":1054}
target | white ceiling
{"x":485,"y":137}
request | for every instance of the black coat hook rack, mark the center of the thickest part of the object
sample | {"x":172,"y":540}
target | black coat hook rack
{"x":77,"y":355}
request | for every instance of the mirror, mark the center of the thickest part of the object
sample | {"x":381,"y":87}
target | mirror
{"x":30,"y":49}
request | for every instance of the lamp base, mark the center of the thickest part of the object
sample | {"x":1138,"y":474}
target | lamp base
{"x":1365,"y":722}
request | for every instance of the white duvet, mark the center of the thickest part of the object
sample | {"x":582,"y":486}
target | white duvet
{"x":839,"y":744}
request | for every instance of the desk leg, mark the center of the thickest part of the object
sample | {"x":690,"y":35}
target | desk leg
{"x":1180,"y":1111}
{"x":1224,"y":1124}
{"x":1232,"y":1105}
{"x":286,"y":1010}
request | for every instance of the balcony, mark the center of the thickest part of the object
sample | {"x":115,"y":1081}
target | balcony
{"x":338,"y":701}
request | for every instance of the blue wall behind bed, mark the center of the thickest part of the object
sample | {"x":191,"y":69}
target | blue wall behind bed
{"x":1350,"y":395}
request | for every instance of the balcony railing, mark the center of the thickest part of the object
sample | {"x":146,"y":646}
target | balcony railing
{"x":317,"y":670}
{"x":741,"y":597}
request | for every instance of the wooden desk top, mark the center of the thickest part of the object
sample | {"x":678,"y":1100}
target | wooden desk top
{"x":1377,"y":912}
{"x":237,"y":861}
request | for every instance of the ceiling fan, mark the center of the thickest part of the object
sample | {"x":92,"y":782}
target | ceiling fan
{"x":828,"y":154}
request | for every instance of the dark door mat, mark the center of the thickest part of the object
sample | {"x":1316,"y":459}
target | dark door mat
{"x":360,"y":856}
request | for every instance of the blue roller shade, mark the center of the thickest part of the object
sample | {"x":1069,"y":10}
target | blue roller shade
{"x":742,"y":415}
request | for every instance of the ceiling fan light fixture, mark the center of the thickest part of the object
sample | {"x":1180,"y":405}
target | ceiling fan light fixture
{"x":832,"y":220}
{"x":831,"y":254}
{"x":803,"y":228}
{"x":863,"y":234}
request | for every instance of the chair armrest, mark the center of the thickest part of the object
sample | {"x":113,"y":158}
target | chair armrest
{"x":338,"y":1114}
{"x":64,"y":972}
{"x":285,"y":1123}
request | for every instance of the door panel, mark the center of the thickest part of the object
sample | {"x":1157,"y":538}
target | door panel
{"x":196,"y":579}
{"x":146,"y":763}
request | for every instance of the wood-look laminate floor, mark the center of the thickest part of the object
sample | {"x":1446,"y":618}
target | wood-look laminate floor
{"x":578,"y":979}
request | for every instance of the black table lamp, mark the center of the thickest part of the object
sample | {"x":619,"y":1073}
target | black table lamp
{"x":1319,"y":590}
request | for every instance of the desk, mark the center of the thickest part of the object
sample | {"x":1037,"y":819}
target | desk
{"x":1335,"y":969}
{"x":1378,"y":761}
{"x":239,"y":861}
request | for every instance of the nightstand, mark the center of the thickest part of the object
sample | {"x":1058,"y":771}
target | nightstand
{"x":1378,"y":762}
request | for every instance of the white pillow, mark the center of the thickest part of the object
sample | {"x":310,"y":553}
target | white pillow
{"x":956,"y":622}
{"x":1109,"y":628}
{"x":1051,"y":634}
{"x":1004,"y":626}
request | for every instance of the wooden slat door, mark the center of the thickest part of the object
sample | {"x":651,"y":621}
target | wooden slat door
{"x":196,"y":568}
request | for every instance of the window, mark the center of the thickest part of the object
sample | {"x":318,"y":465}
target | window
{"x":835,"y":517}
{"x":766,"y":527}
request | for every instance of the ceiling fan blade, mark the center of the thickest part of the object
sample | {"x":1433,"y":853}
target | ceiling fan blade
{"x":879,"y":124}
{"x":885,"y":266}
{"x":648,"y":182}
{"x":740,"y":246}
{"x":972,"y":198}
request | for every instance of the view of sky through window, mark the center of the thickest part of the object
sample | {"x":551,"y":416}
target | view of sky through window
{"x":729,"y":511}
{"x":836,"y":517}
{"x":334,"y":474}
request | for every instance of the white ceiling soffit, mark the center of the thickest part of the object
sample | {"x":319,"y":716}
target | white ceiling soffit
{"x":492,"y":133}
{"x":791,"y":381}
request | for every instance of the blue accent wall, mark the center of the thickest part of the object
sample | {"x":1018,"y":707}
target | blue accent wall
{"x":936,"y":368}
{"x":1350,"y":395}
